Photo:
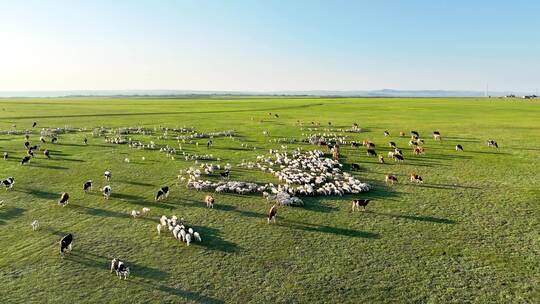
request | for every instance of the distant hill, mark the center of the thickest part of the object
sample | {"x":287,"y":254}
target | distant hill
{"x":193,"y":93}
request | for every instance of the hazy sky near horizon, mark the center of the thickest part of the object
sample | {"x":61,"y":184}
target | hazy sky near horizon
{"x":269,"y":45}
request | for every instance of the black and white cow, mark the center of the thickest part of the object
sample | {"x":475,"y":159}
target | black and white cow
{"x":87,"y":186}
{"x":108,"y":175}
{"x":107,"y":191}
{"x":162,"y":193}
{"x":459,"y":147}
{"x":64,"y":199}
{"x":6,"y":155}
{"x":66,"y":244}
{"x":47,"y":153}
{"x":26,"y":159}
{"x":8,"y":183}
{"x":120,"y":268}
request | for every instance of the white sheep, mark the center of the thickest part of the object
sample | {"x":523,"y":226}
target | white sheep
{"x":197,"y":236}
{"x":145,"y":210}
{"x":182,"y":234}
{"x":35,"y":225}
{"x":188,"y":239}
{"x":135,"y":213}
{"x":159,"y":229}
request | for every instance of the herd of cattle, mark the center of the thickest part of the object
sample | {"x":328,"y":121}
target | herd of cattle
{"x":300,"y":173}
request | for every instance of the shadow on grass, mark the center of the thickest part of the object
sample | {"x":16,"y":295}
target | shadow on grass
{"x":181,"y":293}
{"x":213,"y":241}
{"x":102,"y":262}
{"x":38,"y":165}
{"x":221,"y":207}
{"x":430,"y":219}
{"x":327,"y":229}
{"x":138,"y":183}
{"x":7,"y":213}
{"x":40,"y":193}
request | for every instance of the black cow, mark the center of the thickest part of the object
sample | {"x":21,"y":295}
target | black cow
{"x":66,"y":244}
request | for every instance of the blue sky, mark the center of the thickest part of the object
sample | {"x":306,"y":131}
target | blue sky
{"x":269,"y":45}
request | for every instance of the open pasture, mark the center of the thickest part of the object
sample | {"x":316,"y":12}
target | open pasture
{"x":468,"y":233}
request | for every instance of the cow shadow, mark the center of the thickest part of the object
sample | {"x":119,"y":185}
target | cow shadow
{"x":429,"y":219}
{"x":47,"y":195}
{"x":327,"y":229}
{"x":38,"y":165}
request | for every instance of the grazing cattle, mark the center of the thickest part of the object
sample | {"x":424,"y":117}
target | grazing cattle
{"x":391,"y":154}
{"x":398,"y":157}
{"x":413,"y":142}
{"x":34,"y":124}
{"x":390,"y":179}
{"x":492,"y":143}
{"x":371,"y":152}
{"x":360,"y":202}
{"x":108,"y":175}
{"x":416,"y":178}
{"x":6,"y":155}
{"x":35,"y":225}
{"x":419,"y":150}
{"x":64,"y":199}
{"x":209,"y":201}
{"x":381,"y":159}
{"x":8,"y":183}
{"x":459,"y":147}
{"x":437,"y":135}
{"x":355,"y":166}
{"x":398,"y":151}
{"x":85,"y":141}
{"x":401,"y":134}
{"x":392,"y":144}
{"x":107,"y":191}
{"x":30,"y":153}
{"x":54,"y":140}
{"x":26,"y":144}
{"x":415,"y":133}
{"x":120,"y":268}
{"x":66,"y":244}
{"x":87,"y":186}
{"x":46,"y":153}
{"x":272,"y":213}
{"x":162,"y":193}
{"x":26,"y":159}
{"x":386,"y":133}
{"x":355,"y":144}
{"x":42,"y":139}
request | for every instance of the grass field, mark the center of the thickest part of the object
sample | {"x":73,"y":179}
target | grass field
{"x":470,"y":233}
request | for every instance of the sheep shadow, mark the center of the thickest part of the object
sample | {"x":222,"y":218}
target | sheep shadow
{"x":212,"y":240}
{"x":10,"y":213}
{"x":429,"y":219}
{"x":327,"y":229}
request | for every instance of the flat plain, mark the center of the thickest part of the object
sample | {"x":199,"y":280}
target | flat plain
{"x":469,"y":233}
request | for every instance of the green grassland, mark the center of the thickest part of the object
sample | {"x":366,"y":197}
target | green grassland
{"x":470,"y":233}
